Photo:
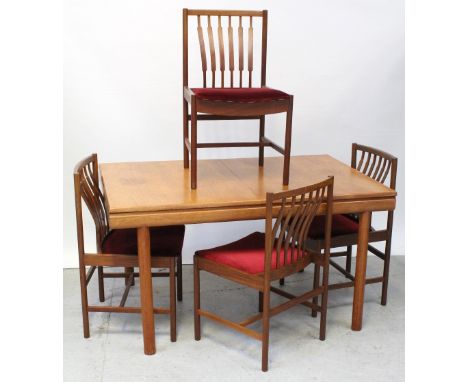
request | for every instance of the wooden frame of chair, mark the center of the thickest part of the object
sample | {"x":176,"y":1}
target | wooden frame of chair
{"x":287,"y":235}
{"x":86,"y":183}
{"x":218,"y":110}
{"x":378,"y":165}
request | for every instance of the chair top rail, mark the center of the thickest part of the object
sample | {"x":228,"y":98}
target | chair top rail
{"x":290,"y":193}
{"x":373,"y":150}
{"x":215,"y":12}
{"x":84,"y":162}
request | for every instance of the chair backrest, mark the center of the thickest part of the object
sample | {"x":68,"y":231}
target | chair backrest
{"x":286,"y":238}
{"x":375,"y":163}
{"x":245,"y":18}
{"x":86,"y":178}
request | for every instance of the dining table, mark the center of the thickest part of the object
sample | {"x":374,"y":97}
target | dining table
{"x":141,"y":195}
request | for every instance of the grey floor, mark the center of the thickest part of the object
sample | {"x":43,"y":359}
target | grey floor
{"x":114,"y":352}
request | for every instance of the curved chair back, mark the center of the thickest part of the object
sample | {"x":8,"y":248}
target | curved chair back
{"x":285,"y":245}
{"x":375,"y":163}
{"x":86,"y":178}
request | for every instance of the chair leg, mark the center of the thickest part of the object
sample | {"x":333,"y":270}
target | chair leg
{"x":383,"y":299}
{"x":349,"y":252}
{"x":196,"y":298}
{"x":129,"y":271}
{"x":287,"y":143}
{"x":265,"y":328}
{"x":261,"y":149}
{"x":172,"y":296}
{"x":84,"y":301}
{"x":179,"y":277}
{"x":316,"y":285}
{"x":388,"y":249}
{"x":260,"y":302}
{"x":323,"y":305}
{"x":185,"y":128}
{"x":102,"y":297}
{"x":193,"y":143}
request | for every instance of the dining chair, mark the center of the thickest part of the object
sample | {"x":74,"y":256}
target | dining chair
{"x":260,"y":258}
{"x":119,"y":248}
{"x":233,"y":94}
{"x":381,"y":167}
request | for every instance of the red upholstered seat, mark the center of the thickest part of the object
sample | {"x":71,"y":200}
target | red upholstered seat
{"x":246,"y":254}
{"x":239,"y":94}
{"x":165,"y":241}
{"x":341,"y":225}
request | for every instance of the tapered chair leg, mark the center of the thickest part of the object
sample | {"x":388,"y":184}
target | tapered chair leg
{"x":316,"y":284}
{"x":261,"y":149}
{"x":196,"y":298}
{"x":172,"y":304}
{"x":185,"y":129}
{"x":287,"y":143}
{"x":323,"y":305}
{"x":193,"y":143}
{"x":84,"y":301}
{"x":383,"y":299}
{"x":102,"y":297}
{"x":388,"y":249}
{"x":349,"y":252}
{"x":265,"y":328}
{"x":179,"y":277}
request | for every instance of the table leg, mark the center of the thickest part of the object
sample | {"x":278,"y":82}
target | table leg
{"x":146,"y":290}
{"x":360,"y":274}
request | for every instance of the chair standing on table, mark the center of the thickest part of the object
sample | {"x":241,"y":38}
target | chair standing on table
{"x":258,"y":259}
{"x":228,"y":99}
{"x":119,"y":248}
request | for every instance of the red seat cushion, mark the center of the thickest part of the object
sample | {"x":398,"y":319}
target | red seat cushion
{"x":246,"y":254}
{"x":341,"y":225}
{"x":239,"y":94}
{"x":165,"y":241}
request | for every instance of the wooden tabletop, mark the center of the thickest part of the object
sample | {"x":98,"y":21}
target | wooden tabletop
{"x":140,"y":193}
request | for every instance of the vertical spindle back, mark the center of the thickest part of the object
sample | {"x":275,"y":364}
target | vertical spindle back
{"x":214,"y":21}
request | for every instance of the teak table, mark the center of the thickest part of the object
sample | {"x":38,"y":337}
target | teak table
{"x":146,"y":194}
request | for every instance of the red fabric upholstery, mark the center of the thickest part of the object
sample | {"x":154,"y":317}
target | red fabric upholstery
{"x":239,"y":94}
{"x":341,"y":225}
{"x":165,"y":241}
{"x":246,"y":254}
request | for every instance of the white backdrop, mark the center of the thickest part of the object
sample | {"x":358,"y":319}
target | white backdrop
{"x":342,"y":59}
